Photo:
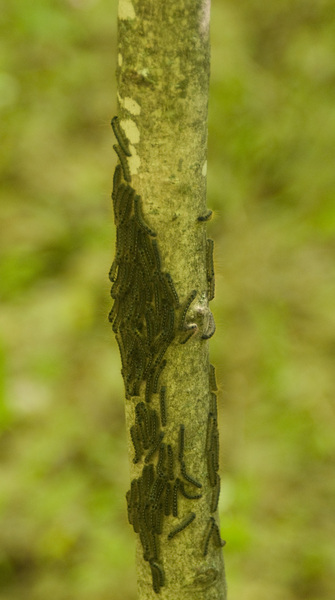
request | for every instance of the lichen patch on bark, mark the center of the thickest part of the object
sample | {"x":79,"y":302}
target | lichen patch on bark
{"x":126,"y":10}
{"x":132,"y":106}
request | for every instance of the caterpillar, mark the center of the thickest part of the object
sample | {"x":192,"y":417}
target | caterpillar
{"x":157,"y":374}
{"x":157,"y":489}
{"x":168,"y":331}
{"x":149,"y":318}
{"x":216,"y":449}
{"x":117,"y":178}
{"x":211,"y":424}
{"x":113,"y":270}
{"x":188,"y":477}
{"x":185,"y":522}
{"x":172,"y":289}
{"x":211,"y":327}
{"x":161,"y":459}
{"x":156,"y":254}
{"x":187,"y":494}
{"x":170,"y":462}
{"x":134,"y":491}
{"x":121,"y":138}
{"x":209,"y":259}
{"x":129,"y":507}
{"x":206,"y":216}
{"x":154,"y":448}
{"x":157,"y":576}
{"x":217,"y":537}
{"x":175,"y":498}
{"x":154,"y":424}
{"x":123,"y":161}
{"x":211,"y":289}
{"x":213,"y":405}
{"x":136,"y":443}
{"x":148,"y":389}
{"x":215,"y":494}
{"x":211,"y":468}
{"x":158,"y":514}
{"x":162,"y":403}
{"x":181,"y":441}
{"x":168,"y":499}
{"x":144,"y":264}
{"x":126,"y":204}
{"x":147,"y":479}
{"x":135,"y":519}
{"x":208,"y":533}
{"x":212,"y":379}
{"x":145,"y":244}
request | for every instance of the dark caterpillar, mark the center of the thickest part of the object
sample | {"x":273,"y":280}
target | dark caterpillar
{"x":206,"y":216}
{"x":185,"y":522}
{"x":121,"y":138}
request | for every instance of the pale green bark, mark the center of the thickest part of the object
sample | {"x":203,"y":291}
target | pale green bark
{"x":163,"y":77}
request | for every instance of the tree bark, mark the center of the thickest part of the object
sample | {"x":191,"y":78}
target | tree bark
{"x":162,"y":282}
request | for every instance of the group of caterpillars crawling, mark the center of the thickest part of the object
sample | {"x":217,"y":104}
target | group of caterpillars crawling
{"x":146,"y":317}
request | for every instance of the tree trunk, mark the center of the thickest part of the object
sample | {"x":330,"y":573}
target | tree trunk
{"x":163,"y":279}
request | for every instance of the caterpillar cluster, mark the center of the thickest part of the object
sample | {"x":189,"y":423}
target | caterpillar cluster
{"x":146,"y":318}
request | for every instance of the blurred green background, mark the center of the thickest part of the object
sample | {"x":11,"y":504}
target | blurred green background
{"x":64,"y":471}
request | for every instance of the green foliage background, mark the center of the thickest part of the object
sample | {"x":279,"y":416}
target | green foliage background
{"x":64,"y":471}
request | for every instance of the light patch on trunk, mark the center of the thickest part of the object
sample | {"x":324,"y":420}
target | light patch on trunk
{"x":131,"y":130}
{"x":204,"y":169}
{"x":126,"y":10}
{"x":119,"y":59}
{"x":131,"y":105}
{"x":134,"y":161}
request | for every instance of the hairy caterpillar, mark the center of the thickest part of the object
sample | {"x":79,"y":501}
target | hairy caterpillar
{"x":217,"y":537}
{"x":157,"y":374}
{"x":175,"y":498}
{"x":136,"y":443}
{"x":161,"y":459}
{"x":123,"y":161}
{"x":212,"y":379}
{"x":181,"y":442}
{"x":172,"y":289}
{"x":154,"y":448}
{"x":206,"y":216}
{"x":209,"y":259}
{"x":121,"y":138}
{"x":168,"y":499}
{"x":210,"y":329}
{"x":188,"y":477}
{"x":162,"y":403}
{"x":170,"y":462}
{"x":215,"y":494}
{"x":187,"y":494}
{"x":208,"y":533}
{"x":157,"y":576}
{"x":185,"y":522}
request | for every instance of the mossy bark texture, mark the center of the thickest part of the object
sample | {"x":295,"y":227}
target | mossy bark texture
{"x":162,"y":281}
